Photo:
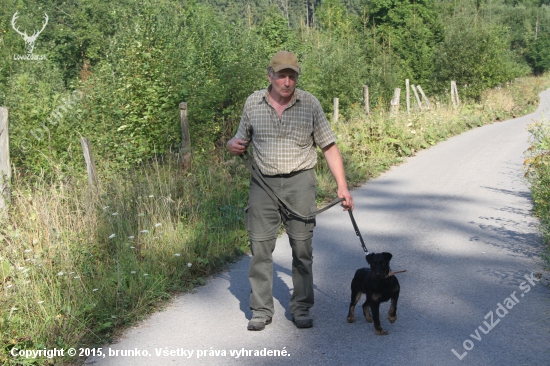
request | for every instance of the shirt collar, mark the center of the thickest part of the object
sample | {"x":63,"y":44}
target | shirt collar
{"x":295,"y":96}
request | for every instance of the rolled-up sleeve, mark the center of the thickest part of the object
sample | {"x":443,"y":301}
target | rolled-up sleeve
{"x":244,"y":130}
{"x":322,"y":133}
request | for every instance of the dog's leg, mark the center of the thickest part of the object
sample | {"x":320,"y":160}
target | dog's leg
{"x":392,"y":313}
{"x":354,"y":299}
{"x":375,"y":308}
{"x":366,"y":311}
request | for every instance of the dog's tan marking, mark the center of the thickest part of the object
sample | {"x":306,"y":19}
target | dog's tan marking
{"x":366,"y":312}
{"x":380,"y":332}
{"x":351,"y":316}
{"x":392,"y":318}
{"x":375,"y":297}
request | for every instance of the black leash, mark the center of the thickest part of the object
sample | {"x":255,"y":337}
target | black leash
{"x":287,"y":208}
{"x":357,"y":232}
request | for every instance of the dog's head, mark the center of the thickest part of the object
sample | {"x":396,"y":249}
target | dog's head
{"x":379,"y":264}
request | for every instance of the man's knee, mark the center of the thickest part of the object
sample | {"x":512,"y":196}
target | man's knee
{"x":302,"y":248}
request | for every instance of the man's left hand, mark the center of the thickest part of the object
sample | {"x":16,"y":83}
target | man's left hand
{"x":336,"y":166}
{"x":347,"y":203}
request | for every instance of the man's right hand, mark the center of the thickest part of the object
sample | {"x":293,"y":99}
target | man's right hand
{"x":237,"y":146}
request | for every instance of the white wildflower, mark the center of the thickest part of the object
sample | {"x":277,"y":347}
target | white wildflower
{"x":133,"y":272}
{"x":158,"y":224}
{"x":114,"y":214}
{"x":112,"y":236}
{"x":28,"y":250}
{"x":145,"y":274}
{"x":177,"y":254}
{"x":106,"y":207}
{"x":144,"y":231}
{"x":8,"y":286}
{"x":151,"y":196}
{"x":76,"y":277}
{"x":94,"y":290}
{"x":189,"y":264}
{"x":131,"y":237}
{"x":60,"y":273}
{"x":41,"y":302}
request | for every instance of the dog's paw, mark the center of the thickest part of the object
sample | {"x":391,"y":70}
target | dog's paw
{"x":351,"y":319}
{"x":380,"y":332}
{"x":392,"y":319}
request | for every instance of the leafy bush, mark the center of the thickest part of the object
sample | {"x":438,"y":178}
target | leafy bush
{"x":476,"y":56}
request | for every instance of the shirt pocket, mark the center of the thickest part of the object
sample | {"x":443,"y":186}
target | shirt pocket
{"x":302,"y":132}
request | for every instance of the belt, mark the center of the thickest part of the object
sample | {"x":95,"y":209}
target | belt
{"x":291,"y":174}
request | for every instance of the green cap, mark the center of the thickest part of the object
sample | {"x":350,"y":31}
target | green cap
{"x":284,"y":60}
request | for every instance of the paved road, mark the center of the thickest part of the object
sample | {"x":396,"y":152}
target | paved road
{"x":456,"y":216}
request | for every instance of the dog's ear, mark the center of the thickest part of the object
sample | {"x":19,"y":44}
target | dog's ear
{"x":387,"y":256}
{"x":368,"y":257}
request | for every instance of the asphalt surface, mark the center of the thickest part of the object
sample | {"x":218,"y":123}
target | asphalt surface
{"x":457,"y":217}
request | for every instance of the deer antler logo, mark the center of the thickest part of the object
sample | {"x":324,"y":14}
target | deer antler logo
{"x":29,"y":40}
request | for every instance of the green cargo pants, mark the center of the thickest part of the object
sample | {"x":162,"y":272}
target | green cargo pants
{"x":263,"y":220}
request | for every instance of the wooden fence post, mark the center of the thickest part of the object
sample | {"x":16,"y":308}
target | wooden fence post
{"x":424,"y":96}
{"x":5,"y":169}
{"x":394,"y":104}
{"x":185,"y":147}
{"x":366,"y":97}
{"x":90,"y":164}
{"x":408,"y":96}
{"x":335,"y":115}
{"x":416,"y":96}
{"x":454,"y":94}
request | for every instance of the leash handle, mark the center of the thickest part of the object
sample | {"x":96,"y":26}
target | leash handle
{"x":357,"y":232}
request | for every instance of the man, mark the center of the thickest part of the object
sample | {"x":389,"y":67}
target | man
{"x":284,"y":125}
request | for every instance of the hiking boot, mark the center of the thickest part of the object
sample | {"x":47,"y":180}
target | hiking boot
{"x":302,"y":320}
{"x":259,"y":322}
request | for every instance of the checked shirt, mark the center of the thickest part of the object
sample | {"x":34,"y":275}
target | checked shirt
{"x":286,"y":145}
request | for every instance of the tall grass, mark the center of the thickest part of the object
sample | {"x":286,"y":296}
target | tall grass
{"x":75,"y":267}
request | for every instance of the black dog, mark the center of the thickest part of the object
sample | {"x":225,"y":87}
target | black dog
{"x":378,"y":286}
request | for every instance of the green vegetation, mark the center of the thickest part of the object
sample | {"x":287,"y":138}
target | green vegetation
{"x":134,"y":62}
{"x":75,"y":267}
{"x":537,"y":167}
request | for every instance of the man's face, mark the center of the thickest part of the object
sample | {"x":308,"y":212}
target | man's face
{"x":283,"y":82}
